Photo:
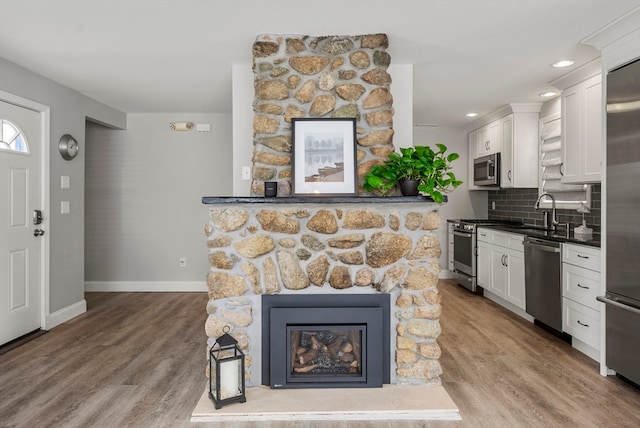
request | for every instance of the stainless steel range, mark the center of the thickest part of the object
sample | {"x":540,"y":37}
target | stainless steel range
{"x":465,"y":250}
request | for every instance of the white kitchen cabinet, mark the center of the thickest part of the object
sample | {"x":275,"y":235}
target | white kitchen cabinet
{"x":473,"y":152}
{"x":513,"y":132}
{"x":581,"y":285}
{"x":515,"y":292}
{"x":582,"y":132}
{"x":489,"y":139}
{"x":519,"y":155}
{"x":484,"y":265}
{"x":450,"y":247}
{"x":501,"y":265}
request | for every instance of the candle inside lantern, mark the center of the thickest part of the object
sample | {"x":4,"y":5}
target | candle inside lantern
{"x":229,"y":378}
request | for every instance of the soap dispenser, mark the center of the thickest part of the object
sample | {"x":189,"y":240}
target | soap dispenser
{"x":583,"y":230}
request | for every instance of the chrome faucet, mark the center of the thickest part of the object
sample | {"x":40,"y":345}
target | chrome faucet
{"x":554,"y":218}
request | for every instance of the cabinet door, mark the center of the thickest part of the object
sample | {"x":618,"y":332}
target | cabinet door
{"x":450,"y":248}
{"x":506,"y":154}
{"x":490,"y":138}
{"x":498,"y":272}
{"x":484,"y":265}
{"x":473,"y":153}
{"x":571,"y":122}
{"x":515,"y":278}
{"x":495,"y":136}
{"x":582,"y":132}
{"x":592,"y":148}
{"x":484,"y":141}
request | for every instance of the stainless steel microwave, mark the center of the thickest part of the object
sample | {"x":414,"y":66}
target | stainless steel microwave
{"x":486,"y":170}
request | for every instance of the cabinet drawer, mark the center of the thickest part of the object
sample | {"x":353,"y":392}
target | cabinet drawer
{"x":580,"y":255}
{"x":581,"y":322}
{"x":514,"y":241}
{"x":484,"y":235}
{"x":498,"y":238}
{"x":581,"y":285}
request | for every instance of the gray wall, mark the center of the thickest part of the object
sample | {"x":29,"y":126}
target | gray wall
{"x":144,"y":187}
{"x":462,"y":203}
{"x":68,"y":113}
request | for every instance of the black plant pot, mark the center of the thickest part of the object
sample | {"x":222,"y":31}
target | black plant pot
{"x":409,"y":187}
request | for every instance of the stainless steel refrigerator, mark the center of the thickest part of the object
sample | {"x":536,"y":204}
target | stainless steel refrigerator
{"x":623,"y":222}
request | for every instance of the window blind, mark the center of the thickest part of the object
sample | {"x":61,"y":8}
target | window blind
{"x":568,"y":196}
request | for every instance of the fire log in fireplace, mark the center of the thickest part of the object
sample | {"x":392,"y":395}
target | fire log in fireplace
{"x":322,"y":341}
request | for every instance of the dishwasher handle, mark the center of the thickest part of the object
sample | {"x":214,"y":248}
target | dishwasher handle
{"x":548,"y":248}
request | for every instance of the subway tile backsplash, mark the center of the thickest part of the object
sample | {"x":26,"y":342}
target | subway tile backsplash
{"x":517,"y":204}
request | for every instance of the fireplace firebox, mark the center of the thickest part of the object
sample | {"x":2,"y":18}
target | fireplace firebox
{"x":325,"y":341}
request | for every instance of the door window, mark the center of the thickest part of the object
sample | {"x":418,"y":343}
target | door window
{"x":11,"y":138}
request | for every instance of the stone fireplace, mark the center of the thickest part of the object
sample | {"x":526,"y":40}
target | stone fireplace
{"x":313,"y":247}
{"x":344,"y":249}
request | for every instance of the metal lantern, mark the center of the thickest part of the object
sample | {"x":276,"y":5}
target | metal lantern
{"x":226,"y":371}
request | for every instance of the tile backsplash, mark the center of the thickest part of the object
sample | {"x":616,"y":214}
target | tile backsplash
{"x":517,"y":204}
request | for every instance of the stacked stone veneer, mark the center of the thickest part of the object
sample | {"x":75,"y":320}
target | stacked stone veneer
{"x":303,"y":76}
{"x":257,"y":249}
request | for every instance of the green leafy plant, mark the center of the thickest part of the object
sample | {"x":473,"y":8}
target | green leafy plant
{"x":432,"y":169}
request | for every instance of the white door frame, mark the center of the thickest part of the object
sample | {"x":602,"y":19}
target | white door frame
{"x":45,"y":201}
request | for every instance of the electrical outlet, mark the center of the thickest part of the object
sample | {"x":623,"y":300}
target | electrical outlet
{"x":183,"y":261}
{"x":493,"y":205}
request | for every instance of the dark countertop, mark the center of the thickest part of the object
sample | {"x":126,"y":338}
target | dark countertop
{"x":558,"y":236}
{"x":315,"y":199}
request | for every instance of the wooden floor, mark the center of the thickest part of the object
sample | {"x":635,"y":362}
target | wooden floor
{"x":137,"y":360}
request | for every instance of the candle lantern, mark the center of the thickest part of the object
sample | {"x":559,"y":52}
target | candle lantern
{"x":226,"y":371}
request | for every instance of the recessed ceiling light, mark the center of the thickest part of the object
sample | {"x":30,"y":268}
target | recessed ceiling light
{"x":471,"y":114}
{"x":563,"y":63}
{"x":548,"y":94}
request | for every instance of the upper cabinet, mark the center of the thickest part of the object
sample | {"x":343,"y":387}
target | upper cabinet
{"x":513,"y":132}
{"x":520,"y":147}
{"x":582,"y":119}
{"x":489,"y":139}
{"x":473,"y":153}
{"x":582,"y":132}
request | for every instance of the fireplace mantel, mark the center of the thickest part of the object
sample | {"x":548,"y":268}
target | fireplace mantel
{"x":211,"y":200}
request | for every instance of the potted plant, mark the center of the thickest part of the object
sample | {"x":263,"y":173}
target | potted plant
{"x":430,"y":170}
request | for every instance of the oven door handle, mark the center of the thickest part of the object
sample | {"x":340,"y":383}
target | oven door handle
{"x":465,"y":234}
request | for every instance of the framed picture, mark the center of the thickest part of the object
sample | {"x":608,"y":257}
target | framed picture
{"x":324,"y":157}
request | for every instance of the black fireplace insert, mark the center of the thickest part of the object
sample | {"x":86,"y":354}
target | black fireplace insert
{"x":325,"y":341}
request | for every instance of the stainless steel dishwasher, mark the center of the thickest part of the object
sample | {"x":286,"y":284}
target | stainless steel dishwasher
{"x":543,"y":281}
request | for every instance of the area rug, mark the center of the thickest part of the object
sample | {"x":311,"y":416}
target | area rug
{"x":391,"y":402}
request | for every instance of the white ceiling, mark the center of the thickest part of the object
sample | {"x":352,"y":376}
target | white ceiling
{"x":154,"y":56}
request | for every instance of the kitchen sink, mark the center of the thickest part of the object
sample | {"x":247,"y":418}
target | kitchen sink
{"x":539,"y":231}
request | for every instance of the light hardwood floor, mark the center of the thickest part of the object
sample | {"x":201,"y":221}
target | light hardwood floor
{"x":137,"y":360}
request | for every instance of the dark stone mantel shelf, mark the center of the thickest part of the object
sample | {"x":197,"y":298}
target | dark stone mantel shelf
{"x":215,"y":200}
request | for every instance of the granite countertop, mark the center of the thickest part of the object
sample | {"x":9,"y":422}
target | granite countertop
{"x":558,"y":236}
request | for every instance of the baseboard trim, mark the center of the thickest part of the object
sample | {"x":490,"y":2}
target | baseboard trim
{"x":65,"y":314}
{"x":146,"y":286}
{"x":446,"y":274}
{"x":508,"y":305}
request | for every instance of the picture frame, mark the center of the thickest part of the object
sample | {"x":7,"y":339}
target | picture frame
{"x":323,"y":157}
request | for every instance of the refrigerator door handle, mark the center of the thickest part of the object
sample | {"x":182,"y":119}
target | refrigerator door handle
{"x":607,"y":301}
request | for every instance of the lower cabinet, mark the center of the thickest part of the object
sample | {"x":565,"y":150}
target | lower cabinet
{"x":450,"y":265}
{"x":580,"y":287}
{"x":501,"y":265}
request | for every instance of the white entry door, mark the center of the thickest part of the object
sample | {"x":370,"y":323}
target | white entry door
{"x":20,"y":239}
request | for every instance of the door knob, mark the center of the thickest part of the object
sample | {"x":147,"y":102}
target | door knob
{"x":38,"y":232}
